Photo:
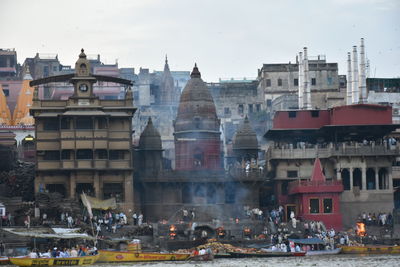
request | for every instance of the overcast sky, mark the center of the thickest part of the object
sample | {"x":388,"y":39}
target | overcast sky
{"x":226,"y":38}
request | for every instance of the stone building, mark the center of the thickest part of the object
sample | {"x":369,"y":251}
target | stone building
{"x":350,"y":142}
{"x":199,"y":182}
{"x":83,"y":144}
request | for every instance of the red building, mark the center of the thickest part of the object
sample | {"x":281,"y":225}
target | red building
{"x":318,"y":199}
{"x":197,"y":135}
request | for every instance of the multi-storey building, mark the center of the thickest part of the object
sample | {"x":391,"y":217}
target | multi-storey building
{"x":351,"y":145}
{"x":83,"y":144}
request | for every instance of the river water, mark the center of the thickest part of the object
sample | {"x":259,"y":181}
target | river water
{"x":322,"y":261}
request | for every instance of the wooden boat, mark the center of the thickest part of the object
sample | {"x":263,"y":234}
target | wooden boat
{"x":323,"y":252}
{"x":205,"y":257}
{"x":370,"y":249}
{"x":4,"y":261}
{"x":266,"y":254}
{"x":25,"y":261}
{"x":127,"y":256}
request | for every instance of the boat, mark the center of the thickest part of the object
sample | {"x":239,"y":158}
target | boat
{"x":323,"y":252}
{"x":128,"y":256}
{"x":205,"y":257}
{"x":266,"y":254}
{"x":371,"y":249}
{"x":4,"y":261}
{"x":26,"y":261}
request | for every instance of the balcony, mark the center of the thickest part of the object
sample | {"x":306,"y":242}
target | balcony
{"x":47,"y":135}
{"x":47,"y":145}
{"x":307,"y":186}
{"x":120,"y":145}
{"x":48,"y":164}
{"x":68,"y":164}
{"x":84,"y":164}
{"x":119,"y":164}
{"x":100,"y":164}
{"x":331,"y":150}
{"x":119,"y":134}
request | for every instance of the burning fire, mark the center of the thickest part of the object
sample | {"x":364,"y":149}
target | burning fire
{"x":172,"y":231}
{"x":247,"y":231}
{"x":360,"y":229}
{"x":221,"y":232}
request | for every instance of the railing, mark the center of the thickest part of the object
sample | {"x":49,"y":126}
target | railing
{"x":316,"y":184}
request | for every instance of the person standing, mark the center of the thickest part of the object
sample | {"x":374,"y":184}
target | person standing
{"x":2,"y":248}
{"x":140,"y":219}
{"x":135,"y":218}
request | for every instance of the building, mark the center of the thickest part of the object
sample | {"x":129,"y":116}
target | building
{"x":83,"y":144}
{"x":198,"y":182}
{"x":351,"y":145}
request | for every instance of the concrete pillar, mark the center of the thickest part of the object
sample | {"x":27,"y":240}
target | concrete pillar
{"x":364,"y":178}
{"x":376,"y":178}
{"x":96,"y":185}
{"x":72,"y":185}
{"x":338,"y":174}
{"x":351,"y":179}
{"x":390,"y":179}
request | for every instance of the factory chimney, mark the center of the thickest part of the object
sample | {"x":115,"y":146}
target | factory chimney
{"x":363,"y":80}
{"x":355,"y":91}
{"x":349,"y":89}
{"x":301,"y":78}
{"x":307,"y":83}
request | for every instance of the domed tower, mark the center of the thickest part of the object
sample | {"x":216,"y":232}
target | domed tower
{"x":245,"y":143}
{"x":197,"y":135}
{"x":150,"y":150}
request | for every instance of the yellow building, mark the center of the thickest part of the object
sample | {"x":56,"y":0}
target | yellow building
{"x":21,"y":112}
{"x":84,"y":143}
{"x":5,"y":115}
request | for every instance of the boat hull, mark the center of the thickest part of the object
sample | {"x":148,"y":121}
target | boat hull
{"x":4,"y":261}
{"x":125,"y":256}
{"x":323,"y":252}
{"x":85,"y":260}
{"x":267,"y":254}
{"x":371,"y":249}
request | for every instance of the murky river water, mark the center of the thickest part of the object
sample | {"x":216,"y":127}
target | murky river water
{"x":323,"y":261}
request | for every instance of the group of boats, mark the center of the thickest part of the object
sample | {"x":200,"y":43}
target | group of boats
{"x":114,"y":256}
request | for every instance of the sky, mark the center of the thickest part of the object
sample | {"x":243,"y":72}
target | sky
{"x":227,"y":38}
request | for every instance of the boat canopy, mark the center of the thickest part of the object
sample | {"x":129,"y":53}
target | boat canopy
{"x":61,"y":233}
{"x":308,"y":241}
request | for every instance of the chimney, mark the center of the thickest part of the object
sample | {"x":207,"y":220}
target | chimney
{"x":307,"y":83}
{"x":355,"y":91}
{"x":301,"y":78}
{"x":363,"y":80}
{"x":349,"y":92}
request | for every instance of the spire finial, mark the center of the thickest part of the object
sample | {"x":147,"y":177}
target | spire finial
{"x":150,"y":121}
{"x":82,"y":54}
{"x":195,"y":73}
{"x":166,"y":59}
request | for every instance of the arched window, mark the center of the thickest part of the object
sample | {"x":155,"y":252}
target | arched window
{"x":357,"y":178}
{"x":198,"y":157}
{"x":371,"y":185}
{"x":346,"y":179}
{"x":383,"y":178}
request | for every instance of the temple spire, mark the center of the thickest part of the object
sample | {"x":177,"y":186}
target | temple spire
{"x":195,"y":73}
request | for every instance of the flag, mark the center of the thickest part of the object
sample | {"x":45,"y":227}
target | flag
{"x":87,"y":204}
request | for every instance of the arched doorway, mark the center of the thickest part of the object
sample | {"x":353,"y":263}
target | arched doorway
{"x":383,"y":178}
{"x":357,"y":178}
{"x":346,"y":179}
{"x":371,"y":184}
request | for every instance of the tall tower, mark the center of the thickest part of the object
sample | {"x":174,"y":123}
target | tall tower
{"x":197,"y":135}
{"x":168,"y":94}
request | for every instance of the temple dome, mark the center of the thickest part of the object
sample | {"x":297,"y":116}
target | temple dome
{"x":196,"y":111}
{"x":150,"y":139}
{"x":245,"y":137}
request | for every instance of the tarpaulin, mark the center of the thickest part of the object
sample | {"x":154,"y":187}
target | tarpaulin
{"x":95,"y":203}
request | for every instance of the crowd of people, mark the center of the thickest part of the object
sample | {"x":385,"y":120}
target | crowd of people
{"x":382,"y":219}
{"x":78,"y":251}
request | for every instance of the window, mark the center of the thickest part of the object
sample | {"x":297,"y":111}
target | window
{"x":296,"y":82}
{"x":315,"y":113}
{"x":292,"y":114}
{"x":279,"y":82}
{"x":314,"y":205}
{"x":197,"y":123}
{"x":102,"y":123}
{"x":258,"y":107}
{"x":52,"y":155}
{"x":84,"y":123}
{"x":240,"y":109}
{"x":51,"y":125}
{"x":268,"y":82}
{"x":102,"y":154}
{"x":313,"y":81}
{"x":329,"y":80}
{"x":6,"y":92}
{"x":113,"y":190}
{"x":291,"y":174}
{"x":227,"y":111}
{"x":269,"y":102}
{"x":66,"y":154}
{"x":116,"y":154}
{"x":250,"y":108}
{"x":327,"y":205}
{"x":84,"y":154}
{"x":65,"y":123}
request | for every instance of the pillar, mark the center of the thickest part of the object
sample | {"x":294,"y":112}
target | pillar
{"x":338,"y":174}
{"x":364,"y":178}
{"x":72,"y":185}
{"x":96,"y":185}
{"x":351,"y":179}
{"x":390,"y":179}
{"x":377,"y":178}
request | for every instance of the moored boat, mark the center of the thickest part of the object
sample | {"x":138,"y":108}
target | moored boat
{"x":4,"y":261}
{"x":266,"y":254}
{"x":371,"y":249}
{"x":128,"y":256}
{"x":205,"y":257}
{"x":26,"y":261}
{"x":323,"y":252}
